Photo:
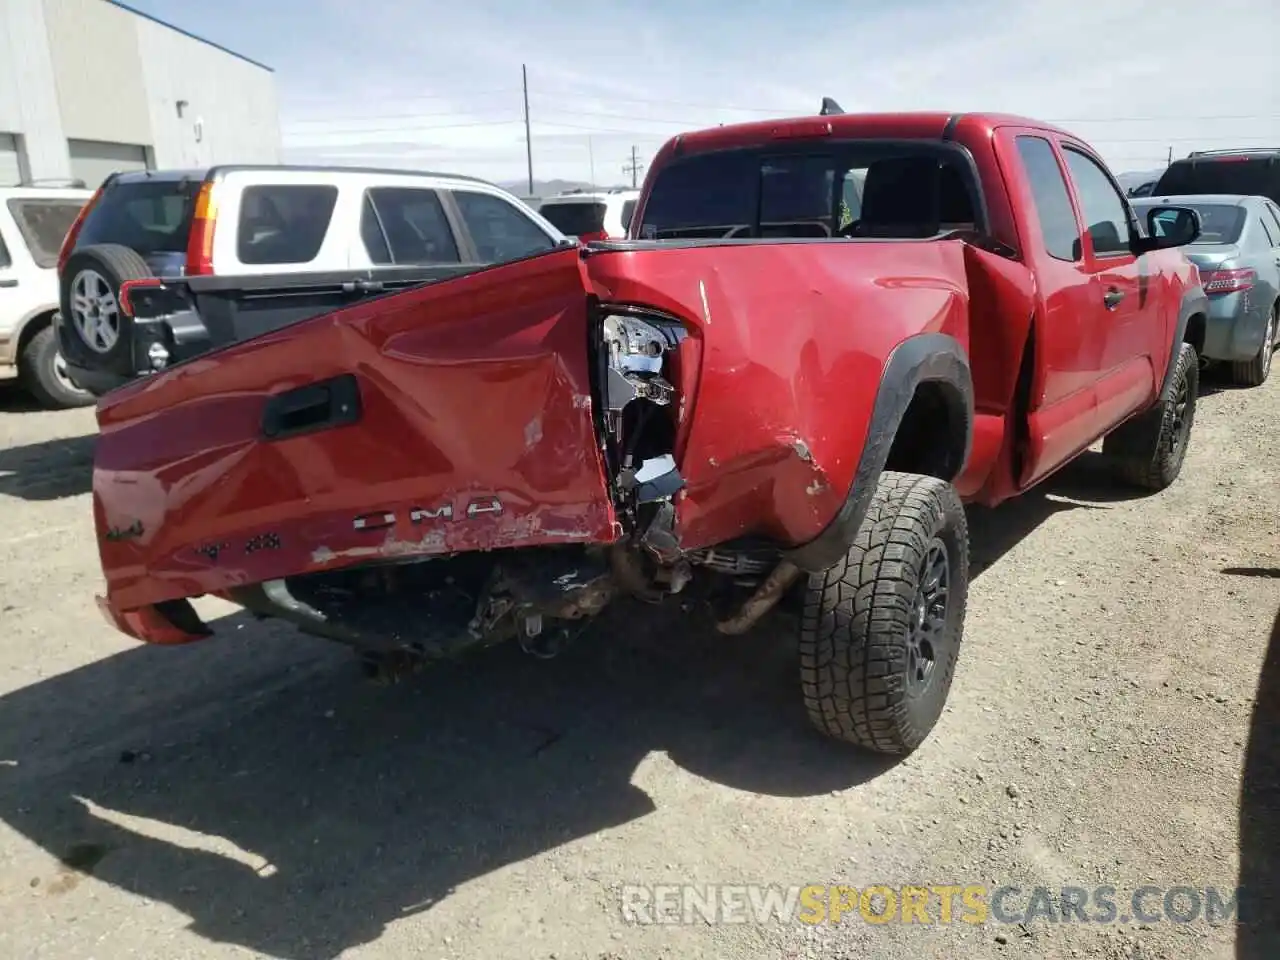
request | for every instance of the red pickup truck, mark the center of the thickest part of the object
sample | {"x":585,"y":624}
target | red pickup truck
{"x":822,"y":336}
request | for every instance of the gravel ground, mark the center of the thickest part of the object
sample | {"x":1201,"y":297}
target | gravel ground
{"x":253,"y":796}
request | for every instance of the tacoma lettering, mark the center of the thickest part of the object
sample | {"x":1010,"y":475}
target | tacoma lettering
{"x":479,"y":506}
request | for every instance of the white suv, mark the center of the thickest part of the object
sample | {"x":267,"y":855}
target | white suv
{"x":33,"y":222}
{"x":296,"y":241}
{"x":592,"y":216}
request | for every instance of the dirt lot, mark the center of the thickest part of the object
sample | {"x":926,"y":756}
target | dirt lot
{"x":252,"y":795}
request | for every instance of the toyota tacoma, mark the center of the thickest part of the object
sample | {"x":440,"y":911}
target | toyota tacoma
{"x":821,"y":338}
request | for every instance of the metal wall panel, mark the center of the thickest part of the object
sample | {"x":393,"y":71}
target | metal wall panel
{"x":93,"y":161}
{"x":10,"y":165}
{"x":28,"y":94}
{"x":207,"y":106}
{"x":98,"y":71}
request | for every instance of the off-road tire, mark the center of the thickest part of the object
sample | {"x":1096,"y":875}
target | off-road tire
{"x":1254,"y":373}
{"x":115,"y":263}
{"x":856,"y":629}
{"x":36,"y":370}
{"x":1149,"y":450}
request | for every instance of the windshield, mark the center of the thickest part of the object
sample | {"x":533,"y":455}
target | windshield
{"x":151,"y":216}
{"x":576,"y":217}
{"x":1219,"y":222}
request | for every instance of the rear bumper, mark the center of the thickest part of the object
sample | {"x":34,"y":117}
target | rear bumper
{"x":168,"y":624}
{"x":1234,"y":328}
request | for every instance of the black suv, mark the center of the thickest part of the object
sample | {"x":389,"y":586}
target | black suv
{"x":1244,"y":172}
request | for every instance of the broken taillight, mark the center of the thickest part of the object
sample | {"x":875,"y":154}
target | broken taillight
{"x":638,"y":392}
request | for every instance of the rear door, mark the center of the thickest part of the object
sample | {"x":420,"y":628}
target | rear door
{"x":497,"y":230}
{"x":410,"y":235}
{"x":1123,"y":300}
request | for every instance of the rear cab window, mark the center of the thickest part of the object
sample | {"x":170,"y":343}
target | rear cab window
{"x":43,"y":223}
{"x":283,"y":223}
{"x":151,"y":216}
{"x":573,"y":218}
{"x":871,"y":189}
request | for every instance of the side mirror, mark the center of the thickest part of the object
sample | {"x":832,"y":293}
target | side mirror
{"x":1169,"y":227}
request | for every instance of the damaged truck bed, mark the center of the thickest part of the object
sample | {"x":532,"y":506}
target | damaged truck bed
{"x":792,"y":391}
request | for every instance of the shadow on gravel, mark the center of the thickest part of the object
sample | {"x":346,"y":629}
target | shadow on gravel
{"x":1271,"y":573}
{"x":1258,"y":935}
{"x":14,"y":399}
{"x":257,"y":784}
{"x":49,"y":470}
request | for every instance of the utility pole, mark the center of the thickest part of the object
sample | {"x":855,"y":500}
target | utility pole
{"x":591,"y":158}
{"x":528,"y":137}
{"x":634,"y":167}
{"x":1169,"y":162}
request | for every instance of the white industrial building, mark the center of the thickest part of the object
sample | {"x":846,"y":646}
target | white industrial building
{"x":92,"y":86}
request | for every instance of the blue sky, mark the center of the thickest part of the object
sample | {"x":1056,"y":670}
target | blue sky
{"x":423,"y":83}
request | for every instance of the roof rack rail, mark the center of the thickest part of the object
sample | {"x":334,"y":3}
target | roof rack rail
{"x":830,"y":108}
{"x":1232,"y":152}
{"x":70,"y":183}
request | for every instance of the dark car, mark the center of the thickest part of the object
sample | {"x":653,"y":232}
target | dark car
{"x":1243,"y":172}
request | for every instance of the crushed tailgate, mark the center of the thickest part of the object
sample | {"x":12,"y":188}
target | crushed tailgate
{"x":453,"y":417}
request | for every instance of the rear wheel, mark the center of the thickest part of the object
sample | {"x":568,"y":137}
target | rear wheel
{"x":44,"y":374}
{"x":1254,"y":373}
{"x":91,"y":296}
{"x":881,"y":629}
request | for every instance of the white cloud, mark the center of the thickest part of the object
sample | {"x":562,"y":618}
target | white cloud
{"x":405,"y":83}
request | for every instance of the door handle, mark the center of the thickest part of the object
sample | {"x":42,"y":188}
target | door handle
{"x":317,"y":406}
{"x":8,"y":283}
{"x":1111,"y":299}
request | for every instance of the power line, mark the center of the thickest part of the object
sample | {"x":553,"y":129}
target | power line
{"x":417,"y":98}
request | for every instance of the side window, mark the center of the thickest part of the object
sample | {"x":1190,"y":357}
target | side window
{"x":407,"y":225}
{"x":1058,"y":227}
{"x":1267,"y":232}
{"x":371,"y":234}
{"x":5,"y":259}
{"x":498,"y":229}
{"x":284,"y":222}
{"x":1275,"y":217}
{"x":43,"y":224}
{"x":1103,"y":207}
